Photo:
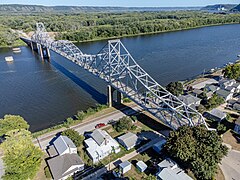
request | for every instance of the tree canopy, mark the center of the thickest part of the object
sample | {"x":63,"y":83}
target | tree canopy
{"x":176,"y":88}
{"x":74,"y":136}
{"x":21,"y":158}
{"x":232,"y":71}
{"x":11,"y":122}
{"x":213,"y":102}
{"x":196,"y":148}
{"x":124,"y":123}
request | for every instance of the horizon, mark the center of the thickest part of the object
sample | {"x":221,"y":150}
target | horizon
{"x":122,"y":3}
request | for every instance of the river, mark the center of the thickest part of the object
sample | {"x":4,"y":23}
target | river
{"x":46,"y":93}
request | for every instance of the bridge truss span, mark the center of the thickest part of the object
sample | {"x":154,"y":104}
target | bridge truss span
{"x":115,"y":65}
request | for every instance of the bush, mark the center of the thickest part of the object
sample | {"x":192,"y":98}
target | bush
{"x":74,"y":136}
{"x":176,"y":88}
{"x":47,"y":172}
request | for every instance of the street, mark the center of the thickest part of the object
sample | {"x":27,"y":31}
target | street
{"x":231,"y":165}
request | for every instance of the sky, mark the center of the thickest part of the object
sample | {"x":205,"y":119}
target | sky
{"x":126,"y":3}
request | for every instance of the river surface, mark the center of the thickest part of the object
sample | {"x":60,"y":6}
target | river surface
{"x":46,"y":93}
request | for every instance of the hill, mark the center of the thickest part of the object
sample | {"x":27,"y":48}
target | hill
{"x":219,"y":7}
{"x":17,"y":8}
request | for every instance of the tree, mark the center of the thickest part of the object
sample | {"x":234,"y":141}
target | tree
{"x":22,"y":158}
{"x":232,"y":71}
{"x":74,"y":136}
{"x":11,"y":122}
{"x":196,"y":148}
{"x":176,"y":88}
{"x":214,"y":101}
{"x":123,"y":123}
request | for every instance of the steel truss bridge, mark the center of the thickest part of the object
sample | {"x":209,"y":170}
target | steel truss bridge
{"x":115,"y":65}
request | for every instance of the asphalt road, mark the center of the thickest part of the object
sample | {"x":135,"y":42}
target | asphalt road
{"x":43,"y":142}
{"x":231,"y":165}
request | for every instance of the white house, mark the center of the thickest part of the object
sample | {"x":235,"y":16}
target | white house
{"x":227,"y":95}
{"x":129,"y":140}
{"x":64,"y":145}
{"x":100,"y":145}
{"x":141,"y":166}
{"x":223,"y":83}
{"x":169,"y":170}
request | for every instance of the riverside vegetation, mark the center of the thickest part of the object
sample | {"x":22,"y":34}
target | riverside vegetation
{"x":95,"y":26}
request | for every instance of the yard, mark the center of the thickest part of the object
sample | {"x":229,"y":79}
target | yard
{"x":233,"y":139}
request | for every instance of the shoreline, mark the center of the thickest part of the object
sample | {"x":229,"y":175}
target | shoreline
{"x":134,"y":35}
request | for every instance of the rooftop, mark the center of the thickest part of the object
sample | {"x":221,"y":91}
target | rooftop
{"x":124,"y":164}
{"x":60,"y":165}
{"x":189,"y":99}
{"x":217,"y":113}
{"x":204,"y":83}
{"x":223,"y":93}
{"x":98,"y":136}
{"x":129,"y":139}
{"x":62,"y":143}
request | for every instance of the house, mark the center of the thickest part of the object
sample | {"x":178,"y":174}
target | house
{"x":237,"y":87}
{"x":236,"y":106}
{"x":227,"y":95}
{"x":204,"y":83}
{"x":125,"y":167}
{"x":223,"y":83}
{"x":190,"y":100}
{"x":64,"y":166}
{"x":62,"y":145}
{"x":169,"y":170}
{"x":211,"y":88}
{"x":100,"y":145}
{"x":129,"y":140}
{"x":196,"y":92}
{"x":230,"y":89}
{"x":237,"y":126}
{"x":141,"y":166}
{"x":159,"y":145}
{"x":216,"y":115}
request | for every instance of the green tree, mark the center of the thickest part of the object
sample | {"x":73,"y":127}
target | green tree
{"x":11,"y":122}
{"x":214,"y":101}
{"x":196,"y":148}
{"x":232,"y":71}
{"x":22,"y":158}
{"x":124,"y":123}
{"x":74,"y":136}
{"x":176,"y":88}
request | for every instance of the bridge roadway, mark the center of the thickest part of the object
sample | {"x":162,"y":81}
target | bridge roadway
{"x":115,"y":65}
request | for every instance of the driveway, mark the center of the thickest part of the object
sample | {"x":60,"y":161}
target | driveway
{"x":231,"y":165}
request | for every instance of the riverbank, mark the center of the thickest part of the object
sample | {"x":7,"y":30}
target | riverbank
{"x":21,"y":43}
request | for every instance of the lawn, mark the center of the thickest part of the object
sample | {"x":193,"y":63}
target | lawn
{"x":231,"y":138}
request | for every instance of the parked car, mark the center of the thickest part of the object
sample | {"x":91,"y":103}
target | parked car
{"x":100,"y":125}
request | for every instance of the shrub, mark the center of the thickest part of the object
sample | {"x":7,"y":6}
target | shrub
{"x":74,"y":136}
{"x":47,"y":172}
{"x":123,"y":123}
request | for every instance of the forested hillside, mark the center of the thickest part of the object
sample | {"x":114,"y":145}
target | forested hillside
{"x":93,"y":26}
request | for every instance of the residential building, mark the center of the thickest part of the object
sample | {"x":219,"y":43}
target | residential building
{"x":227,"y":95}
{"x":129,"y":140}
{"x":141,"y":166}
{"x":100,"y":145}
{"x":65,"y":165}
{"x":230,"y":89}
{"x":216,"y":115}
{"x":236,"y":106}
{"x":237,"y":87}
{"x":237,"y":126}
{"x":211,"y":88}
{"x":159,"y":145}
{"x":204,"y":83}
{"x":169,"y":170}
{"x":190,"y":100}
{"x":223,"y":83}
{"x":63,"y":145}
{"x":196,"y":92}
{"x":125,"y":167}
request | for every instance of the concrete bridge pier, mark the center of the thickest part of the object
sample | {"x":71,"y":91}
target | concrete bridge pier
{"x":43,"y":51}
{"x":34,"y":46}
{"x":110,"y":100}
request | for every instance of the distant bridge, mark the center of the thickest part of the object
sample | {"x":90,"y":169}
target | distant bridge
{"x":115,"y":65}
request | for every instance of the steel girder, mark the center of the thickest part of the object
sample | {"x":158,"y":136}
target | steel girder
{"x":117,"y":67}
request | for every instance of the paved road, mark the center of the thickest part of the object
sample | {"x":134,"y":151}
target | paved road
{"x":43,"y":141}
{"x":231,"y":165}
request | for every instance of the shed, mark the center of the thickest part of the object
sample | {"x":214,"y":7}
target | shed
{"x":141,"y":166}
{"x":159,"y":145}
{"x":125,"y":167}
{"x":216,"y":114}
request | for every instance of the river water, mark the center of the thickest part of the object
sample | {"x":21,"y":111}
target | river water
{"x":46,"y":93}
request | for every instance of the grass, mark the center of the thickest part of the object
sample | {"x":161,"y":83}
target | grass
{"x":41,"y":174}
{"x":230,"y":138}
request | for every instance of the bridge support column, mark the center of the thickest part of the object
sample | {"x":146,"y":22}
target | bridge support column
{"x":34,"y":46}
{"x":40,"y":50}
{"x":45,"y":52}
{"x":110,"y":91}
{"x":110,"y":95}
